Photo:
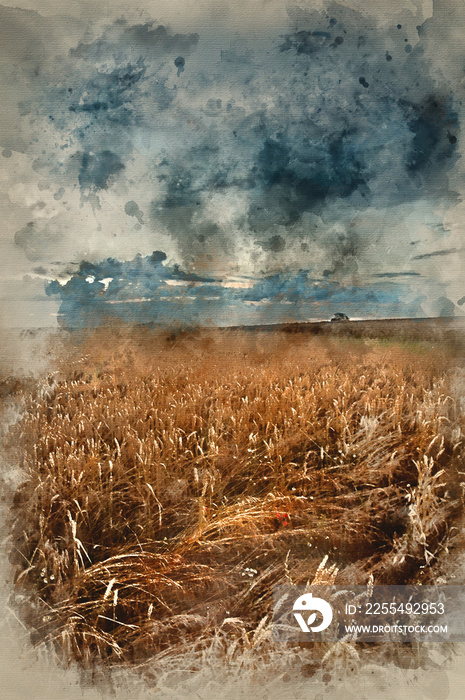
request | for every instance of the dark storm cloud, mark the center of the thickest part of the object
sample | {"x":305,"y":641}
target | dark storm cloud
{"x":97,"y":168}
{"x":318,"y":143}
{"x":296,"y":132}
{"x":108,"y":91}
{"x":339,"y":138}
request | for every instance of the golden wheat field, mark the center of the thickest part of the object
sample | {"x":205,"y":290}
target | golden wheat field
{"x":171,"y":482}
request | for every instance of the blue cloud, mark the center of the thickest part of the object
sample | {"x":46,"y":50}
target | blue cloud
{"x":139,"y":291}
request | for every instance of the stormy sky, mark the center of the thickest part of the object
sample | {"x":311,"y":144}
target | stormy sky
{"x":228,"y":164}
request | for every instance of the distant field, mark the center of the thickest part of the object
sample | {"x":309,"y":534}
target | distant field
{"x":171,"y":480}
{"x":450,"y":329}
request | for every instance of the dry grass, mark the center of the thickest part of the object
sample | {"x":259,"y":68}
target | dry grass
{"x":172,"y":483}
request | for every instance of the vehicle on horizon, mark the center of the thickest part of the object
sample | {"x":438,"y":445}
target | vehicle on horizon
{"x":340,"y":317}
